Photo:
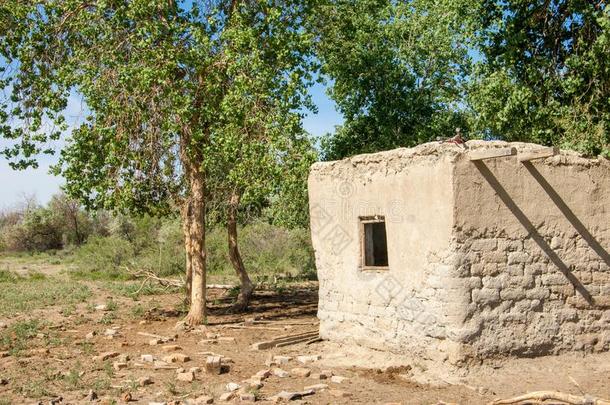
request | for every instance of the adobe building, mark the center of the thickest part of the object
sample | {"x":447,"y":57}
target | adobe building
{"x":453,"y":254}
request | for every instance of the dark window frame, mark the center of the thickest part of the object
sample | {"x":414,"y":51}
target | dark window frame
{"x":363,"y":221}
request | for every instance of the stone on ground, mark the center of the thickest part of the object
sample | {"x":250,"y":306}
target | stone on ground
{"x":227,"y":396}
{"x":105,"y":356}
{"x":170,"y":348}
{"x":233,"y":386}
{"x":91,"y":396}
{"x":278,"y":372}
{"x":247,"y":397}
{"x":317,"y":387}
{"x":290,"y":396}
{"x":213,"y":365}
{"x":202,"y":400}
{"x":187,"y":376}
{"x":144,"y":381}
{"x":263,"y":374}
{"x":111,"y":332}
{"x":147,"y":358}
{"x":176,"y":358}
{"x":300,"y":372}
{"x":337,"y":379}
{"x":308,"y":359}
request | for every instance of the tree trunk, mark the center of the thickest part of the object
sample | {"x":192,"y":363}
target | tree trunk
{"x":195,"y":248}
{"x":247,"y":288}
{"x":186,"y":221}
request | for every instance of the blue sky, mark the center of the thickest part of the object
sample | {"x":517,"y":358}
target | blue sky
{"x":15,"y":186}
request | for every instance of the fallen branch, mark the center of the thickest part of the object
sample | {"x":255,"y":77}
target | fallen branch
{"x":152,"y":335}
{"x":149,"y":275}
{"x":220,"y":286}
{"x":539,"y":397}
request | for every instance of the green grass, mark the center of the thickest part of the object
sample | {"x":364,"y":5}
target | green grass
{"x":16,"y":337}
{"x":72,"y":379}
{"x":23,"y":294}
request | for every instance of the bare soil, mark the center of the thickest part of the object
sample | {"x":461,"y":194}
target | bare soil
{"x":69,"y":369}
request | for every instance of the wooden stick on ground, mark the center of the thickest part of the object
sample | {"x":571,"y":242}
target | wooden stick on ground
{"x":152,"y":335}
{"x":285,"y":340}
{"x":252,"y":327}
{"x":538,"y":397}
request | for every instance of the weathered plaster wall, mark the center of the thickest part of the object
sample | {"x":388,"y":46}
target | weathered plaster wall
{"x":486,"y":259}
{"x":407,"y":308}
{"x":533,"y":241}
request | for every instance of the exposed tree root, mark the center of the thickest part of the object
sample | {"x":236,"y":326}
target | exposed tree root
{"x":194,"y":318}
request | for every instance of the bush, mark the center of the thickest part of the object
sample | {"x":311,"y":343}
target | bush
{"x":165,"y":256}
{"x":38,"y":230}
{"x":62,"y":223}
{"x":104,"y":258}
{"x":158,"y":246}
{"x":266,"y":250}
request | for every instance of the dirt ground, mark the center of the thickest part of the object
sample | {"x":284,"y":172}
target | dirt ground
{"x":60,"y":360}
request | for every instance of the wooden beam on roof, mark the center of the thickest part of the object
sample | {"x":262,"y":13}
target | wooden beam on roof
{"x":537,"y":154}
{"x":492,"y":153}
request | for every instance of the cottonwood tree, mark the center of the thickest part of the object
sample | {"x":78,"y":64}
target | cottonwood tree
{"x":545,"y":73}
{"x":397,"y":70}
{"x":250,"y":168}
{"x":172,"y":89}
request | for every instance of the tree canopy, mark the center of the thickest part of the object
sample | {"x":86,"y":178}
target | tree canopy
{"x":403,"y":73}
{"x":545,"y":76}
{"x":397,"y":70}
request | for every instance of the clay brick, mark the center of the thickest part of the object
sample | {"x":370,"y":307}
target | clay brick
{"x":510,"y":245}
{"x":495,"y":282}
{"x":486,"y":296}
{"x":513,"y":294}
{"x":564,"y":290}
{"x":484,"y":245}
{"x":515,"y":269}
{"x":494,"y":257}
{"x":535,"y":268}
{"x":554,"y":279}
{"x":539,"y":293}
{"x":517,"y":258}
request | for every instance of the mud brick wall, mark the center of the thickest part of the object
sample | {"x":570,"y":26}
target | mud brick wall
{"x":488,"y":259}
{"x":533,"y":241}
{"x":394,"y":310}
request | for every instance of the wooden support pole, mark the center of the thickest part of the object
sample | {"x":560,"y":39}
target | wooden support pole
{"x":492,"y":153}
{"x":537,"y":154}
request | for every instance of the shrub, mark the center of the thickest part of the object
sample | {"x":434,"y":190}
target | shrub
{"x":104,"y":258}
{"x":266,"y":250}
{"x":164,"y":254}
{"x":38,"y":230}
{"x":158,"y":246}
